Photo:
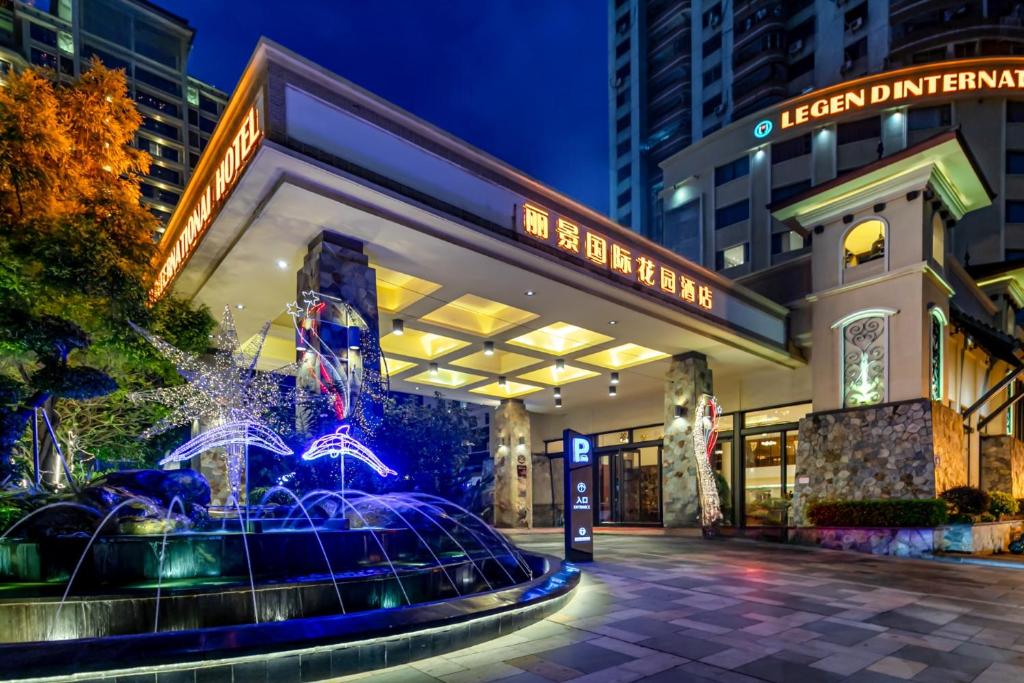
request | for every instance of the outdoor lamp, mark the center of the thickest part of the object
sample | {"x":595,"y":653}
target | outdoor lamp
{"x":433,"y":368}
{"x":522,"y":441}
{"x":488,"y":348}
{"x":612,"y":390}
{"x":353,"y":337}
{"x":615,"y":378}
{"x":398,"y":327}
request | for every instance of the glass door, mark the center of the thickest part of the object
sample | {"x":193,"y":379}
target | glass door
{"x":630,"y":486}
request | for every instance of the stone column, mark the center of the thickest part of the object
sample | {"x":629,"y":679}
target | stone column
{"x":336,"y":268}
{"x":510,"y":446}
{"x":687,"y":379}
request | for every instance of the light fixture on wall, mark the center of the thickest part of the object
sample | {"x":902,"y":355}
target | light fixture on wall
{"x":353,"y":337}
{"x":488,"y":348}
{"x":615,"y":378}
{"x":558,"y":403}
{"x":559,"y":364}
{"x":612,"y":390}
{"x":558,"y":392}
{"x":678,"y":412}
{"x":433,"y":369}
{"x":522,"y":441}
{"x":398,"y":327}
{"x":502,"y":381}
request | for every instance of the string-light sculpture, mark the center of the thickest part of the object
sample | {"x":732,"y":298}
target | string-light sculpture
{"x":244,"y":432}
{"x":220,"y":388}
{"x":341,"y":444}
{"x":705,"y":436}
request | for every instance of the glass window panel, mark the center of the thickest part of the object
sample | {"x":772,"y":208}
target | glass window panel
{"x":773,"y":416}
{"x":604,"y":486}
{"x":791,"y":444}
{"x":651,"y":433}
{"x":721,"y":462}
{"x":762,"y":459}
{"x":158,"y":45}
{"x":725,"y":423}
{"x":553,"y":446}
{"x":613,"y":438}
{"x":107,"y":20}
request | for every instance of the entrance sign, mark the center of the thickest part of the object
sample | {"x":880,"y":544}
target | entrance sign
{"x":204,"y":209}
{"x":578,"y":496}
{"x":621,"y":260}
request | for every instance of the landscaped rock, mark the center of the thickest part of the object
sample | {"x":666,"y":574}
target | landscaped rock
{"x":161,"y":486}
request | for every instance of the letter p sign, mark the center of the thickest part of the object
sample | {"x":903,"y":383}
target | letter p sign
{"x":580,"y":450}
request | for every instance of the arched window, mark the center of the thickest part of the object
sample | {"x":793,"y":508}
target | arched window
{"x":864,"y":242}
{"x":936,"y":352}
{"x":863,"y":356}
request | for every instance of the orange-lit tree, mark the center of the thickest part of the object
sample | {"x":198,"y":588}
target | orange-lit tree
{"x":76,"y":245}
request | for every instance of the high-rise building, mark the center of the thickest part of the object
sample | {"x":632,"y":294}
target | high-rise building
{"x":682,"y":69}
{"x":152,"y":45}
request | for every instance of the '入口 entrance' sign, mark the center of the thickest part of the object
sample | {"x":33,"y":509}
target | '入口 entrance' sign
{"x":578,"y":469}
{"x":903,"y":87}
{"x":618,"y":258}
{"x":228,"y":170}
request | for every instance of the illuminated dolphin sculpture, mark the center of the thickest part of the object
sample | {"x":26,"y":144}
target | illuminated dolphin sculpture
{"x":341,"y":443}
{"x":230,"y":435}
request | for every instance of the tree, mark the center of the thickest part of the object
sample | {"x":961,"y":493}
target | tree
{"x":77,"y":246}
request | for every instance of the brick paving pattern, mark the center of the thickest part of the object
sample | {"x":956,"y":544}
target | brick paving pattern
{"x":670,"y":609}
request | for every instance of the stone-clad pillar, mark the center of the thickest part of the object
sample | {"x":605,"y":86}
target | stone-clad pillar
{"x":336,"y":268}
{"x":510,"y":446}
{"x":687,"y":379}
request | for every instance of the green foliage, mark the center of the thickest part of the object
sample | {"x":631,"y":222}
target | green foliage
{"x":928,"y":512}
{"x":986,"y":517}
{"x":1001,"y":503}
{"x":966,"y":500}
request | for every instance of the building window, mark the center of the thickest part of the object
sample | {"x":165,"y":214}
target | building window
{"x":712,"y":104}
{"x":192,"y":95}
{"x":623,"y":173}
{"x":622,"y":124}
{"x":936,"y":352}
{"x":785,"y":242}
{"x":156,"y":103}
{"x":924,"y":118}
{"x":730,"y":257}
{"x":712,"y":17}
{"x":712,"y":75}
{"x":43,"y":59}
{"x":623,"y":197}
{"x":1014,"y":112}
{"x":733,"y":170}
{"x":1014,"y":162}
{"x":109,"y":60}
{"x":863,"y":358}
{"x":802,"y":66}
{"x":864,"y":242}
{"x":791,"y":149}
{"x":43,"y":35}
{"x":1014,"y":211}
{"x":733,"y":213}
{"x":157,"y":81}
{"x":712,"y":45}
{"x":161,"y":128}
{"x":938,"y":238}
{"x":791,"y":190}
{"x":854,"y":131}
{"x":165,"y":174}
{"x":65,"y":43}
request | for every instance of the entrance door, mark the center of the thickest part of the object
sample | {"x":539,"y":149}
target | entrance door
{"x":629,"y":481}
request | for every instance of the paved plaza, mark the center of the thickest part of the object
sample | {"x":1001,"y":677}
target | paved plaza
{"x":667,"y":609}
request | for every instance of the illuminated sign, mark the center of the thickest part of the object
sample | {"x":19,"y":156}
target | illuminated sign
{"x":617,"y":258}
{"x":763,"y":129}
{"x":578,"y":494}
{"x":900,"y":87}
{"x":227,"y":172}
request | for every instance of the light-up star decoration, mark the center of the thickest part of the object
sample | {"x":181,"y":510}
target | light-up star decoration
{"x":223,"y":389}
{"x":705,"y":436}
{"x":341,"y":444}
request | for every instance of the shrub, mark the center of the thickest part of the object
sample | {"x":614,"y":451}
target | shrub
{"x":1020,"y":506}
{"x":986,"y":517}
{"x":966,"y":500}
{"x":1002,"y":504}
{"x":882,"y":513}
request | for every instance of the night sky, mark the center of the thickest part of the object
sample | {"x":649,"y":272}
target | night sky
{"x":524,"y":80}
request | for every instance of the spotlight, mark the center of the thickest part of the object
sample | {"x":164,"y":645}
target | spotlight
{"x":502,"y":381}
{"x":558,"y":392}
{"x":239,"y":306}
{"x":529,"y":292}
{"x":353,"y":337}
{"x":558,"y":403}
{"x":282,"y":264}
{"x":398,"y":327}
{"x":615,"y":378}
{"x":678,"y":411}
{"x":433,"y":368}
{"x":613,"y":322}
{"x":488,"y":348}
{"x":559,"y":364}
{"x":612,"y":390}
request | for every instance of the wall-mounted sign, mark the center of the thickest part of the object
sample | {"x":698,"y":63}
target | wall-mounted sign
{"x":763,"y":128}
{"x":578,"y":498}
{"x":903,"y":87}
{"x":621,"y":260}
{"x":204,"y":209}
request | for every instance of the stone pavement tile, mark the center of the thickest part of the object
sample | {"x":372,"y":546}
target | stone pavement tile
{"x":996,"y":637}
{"x":706,"y":601}
{"x":698,"y":672}
{"x":645,"y":625}
{"x":400,"y":674}
{"x":615,"y":674}
{"x":526,"y":677}
{"x":585,"y":657}
{"x":945,"y":660}
{"x":784,"y":671}
{"x":1001,"y":672}
{"x":732,"y":658}
{"x":766,"y":628}
{"x":895,"y":619}
{"x":929,"y":614}
{"x":846,"y":663}
{"x":699,"y":626}
{"x":495,"y":671}
{"x":548,"y":670}
{"x":795,"y":635}
{"x":856,"y":614}
{"x":653,"y":663}
{"x":796,"y":656}
{"x":897,"y":667}
{"x":993,"y":654}
{"x":437,"y":666}
{"x":928,"y":641}
{"x":883,"y":644}
{"x":935,"y":674}
{"x":729,"y":621}
{"x":683,"y":646}
{"x":619,"y":634}
{"x":841,"y":633}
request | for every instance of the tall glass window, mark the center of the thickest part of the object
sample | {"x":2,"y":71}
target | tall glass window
{"x":936,"y":343}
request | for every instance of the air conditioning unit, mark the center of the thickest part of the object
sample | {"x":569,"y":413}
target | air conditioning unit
{"x":855,"y":24}
{"x":720,"y":109}
{"x":796,"y":46}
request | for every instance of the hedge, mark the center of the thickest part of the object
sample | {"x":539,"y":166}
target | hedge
{"x":878,"y":513}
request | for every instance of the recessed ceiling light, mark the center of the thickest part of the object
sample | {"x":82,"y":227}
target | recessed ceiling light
{"x":282,"y":264}
{"x":615,"y":378}
{"x":558,"y":403}
{"x":613,"y":322}
{"x":398,"y":327}
{"x":239,"y":306}
{"x":488,"y":348}
{"x":529,"y":292}
{"x":433,"y":368}
{"x":612,"y":390}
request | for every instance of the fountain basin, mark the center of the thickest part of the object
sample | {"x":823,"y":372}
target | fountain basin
{"x":310,"y":648}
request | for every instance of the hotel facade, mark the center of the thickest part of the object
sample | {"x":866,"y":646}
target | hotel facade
{"x":866,"y":360}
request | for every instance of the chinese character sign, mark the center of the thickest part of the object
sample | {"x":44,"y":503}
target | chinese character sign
{"x":623,"y":260}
